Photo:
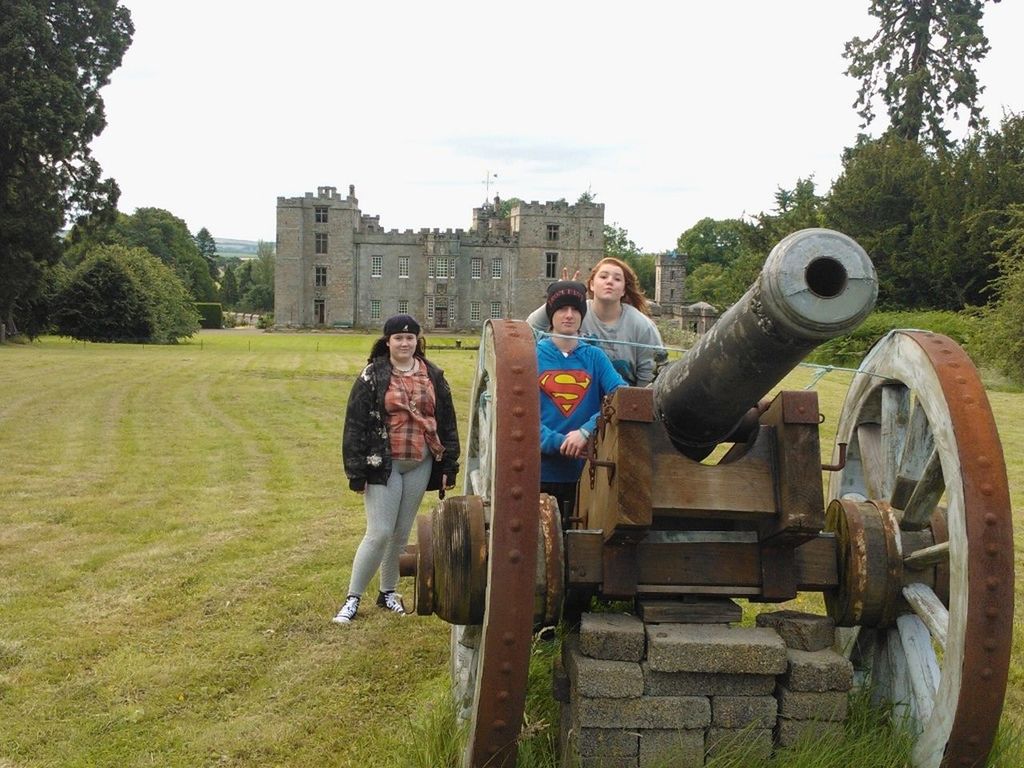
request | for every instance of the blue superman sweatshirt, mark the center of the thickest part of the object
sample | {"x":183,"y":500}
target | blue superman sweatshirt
{"x":571,"y":389}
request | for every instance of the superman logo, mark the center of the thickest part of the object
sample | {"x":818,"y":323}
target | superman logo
{"x":565,"y":388}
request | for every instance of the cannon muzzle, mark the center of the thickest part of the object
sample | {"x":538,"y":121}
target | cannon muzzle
{"x":816,"y":284}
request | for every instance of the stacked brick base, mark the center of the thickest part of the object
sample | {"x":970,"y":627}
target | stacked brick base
{"x":641,"y":695}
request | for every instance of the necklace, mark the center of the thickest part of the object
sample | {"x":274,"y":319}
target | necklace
{"x":404,"y":370}
{"x":409,"y":402}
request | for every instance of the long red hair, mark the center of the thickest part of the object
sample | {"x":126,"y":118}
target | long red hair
{"x":634,"y":294}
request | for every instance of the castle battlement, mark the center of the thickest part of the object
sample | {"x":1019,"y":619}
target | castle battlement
{"x":322,"y":194}
{"x":558,"y":207}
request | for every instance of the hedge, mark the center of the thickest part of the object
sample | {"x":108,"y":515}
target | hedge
{"x":211,"y":315}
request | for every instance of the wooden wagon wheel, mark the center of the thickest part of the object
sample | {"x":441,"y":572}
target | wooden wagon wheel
{"x":924,"y":456}
{"x":490,"y":661}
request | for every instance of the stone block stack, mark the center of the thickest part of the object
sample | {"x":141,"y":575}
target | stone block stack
{"x":637,"y":695}
{"x":814,"y":693}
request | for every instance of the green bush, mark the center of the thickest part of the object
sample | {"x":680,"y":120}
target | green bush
{"x":847,"y":351}
{"x":1002,"y":344}
{"x":124,"y":294}
{"x":211,"y":315}
{"x":265,"y":321}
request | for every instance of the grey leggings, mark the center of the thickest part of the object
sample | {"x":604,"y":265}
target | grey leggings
{"x":390,"y":513}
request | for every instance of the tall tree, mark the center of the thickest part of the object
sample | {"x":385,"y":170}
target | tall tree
{"x":208,"y":250}
{"x":878,"y":200}
{"x":920,"y":63}
{"x":722,"y":258}
{"x":795,"y":209}
{"x":55,"y":57}
{"x":714,"y":241}
{"x":1003,"y":340}
{"x":259,"y":293}
{"x":228,"y":288}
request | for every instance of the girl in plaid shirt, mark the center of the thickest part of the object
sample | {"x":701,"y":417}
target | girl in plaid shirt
{"x":400,"y":440}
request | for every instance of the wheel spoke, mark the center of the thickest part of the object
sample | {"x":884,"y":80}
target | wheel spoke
{"x":899,"y":688}
{"x":895,"y":415}
{"x":929,"y":609}
{"x":869,"y":438}
{"x":917,"y":448}
{"x":937,"y":554}
{"x":925,"y":496}
{"x":922,"y":666}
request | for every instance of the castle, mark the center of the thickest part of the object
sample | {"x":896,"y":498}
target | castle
{"x":337,"y":267}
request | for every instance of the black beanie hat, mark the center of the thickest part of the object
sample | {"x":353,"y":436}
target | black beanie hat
{"x":566,"y":293}
{"x":401,"y":324}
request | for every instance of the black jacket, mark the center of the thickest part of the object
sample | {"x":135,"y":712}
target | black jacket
{"x":365,"y":446}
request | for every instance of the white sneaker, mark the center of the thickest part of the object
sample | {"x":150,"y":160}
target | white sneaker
{"x":393,"y":603}
{"x":348,"y":610}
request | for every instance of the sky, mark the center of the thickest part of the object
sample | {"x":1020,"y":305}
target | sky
{"x":668,"y":112}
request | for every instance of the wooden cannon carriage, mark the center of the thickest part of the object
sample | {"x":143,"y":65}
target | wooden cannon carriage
{"x":913,"y":549}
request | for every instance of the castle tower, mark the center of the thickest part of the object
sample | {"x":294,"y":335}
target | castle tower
{"x":670,"y":281}
{"x":315,"y":280}
{"x":552,"y":236}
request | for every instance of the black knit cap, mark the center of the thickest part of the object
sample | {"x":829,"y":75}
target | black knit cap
{"x":401,"y":324}
{"x":566,"y":293}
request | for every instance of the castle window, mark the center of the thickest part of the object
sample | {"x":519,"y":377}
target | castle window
{"x":320,"y":243}
{"x":551,"y":265}
{"x":320,"y":214}
{"x":320,"y":276}
{"x":442,"y":267}
{"x":375,"y":309}
{"x":403,"y":306}
{"x":430,"y":267}
{"x":671,"y":274}
{"x":319,"y":314}
{"x":476,"y":268}
{"x":403,"y":266}
{"x":552,"y":232}
{"x":495,"y":310}
{"x":430,"y":309}
{"x":474,"y":311}
{"x":496,"y":269}
{"x":376,"y":266}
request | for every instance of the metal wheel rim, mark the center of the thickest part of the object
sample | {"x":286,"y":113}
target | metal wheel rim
{"x":938,"y":377}
{"x":490,"y":662}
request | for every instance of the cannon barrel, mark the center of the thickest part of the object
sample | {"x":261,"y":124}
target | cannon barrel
{"x":816,"y":284}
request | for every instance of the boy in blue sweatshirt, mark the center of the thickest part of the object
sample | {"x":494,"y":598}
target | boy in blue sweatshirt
{"x":573,"y":378}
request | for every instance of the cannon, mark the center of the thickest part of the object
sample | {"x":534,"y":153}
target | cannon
{"x":700,"y":486}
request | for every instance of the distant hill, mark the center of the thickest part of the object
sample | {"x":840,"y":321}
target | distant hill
{"x":226,"y":246}
{"x":243,"y":249}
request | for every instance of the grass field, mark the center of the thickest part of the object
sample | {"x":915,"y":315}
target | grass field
{"x":175,"y":534}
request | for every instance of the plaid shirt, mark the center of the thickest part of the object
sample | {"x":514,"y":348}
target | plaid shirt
{"x":412,"y":428}
{"x":365,"y":445}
